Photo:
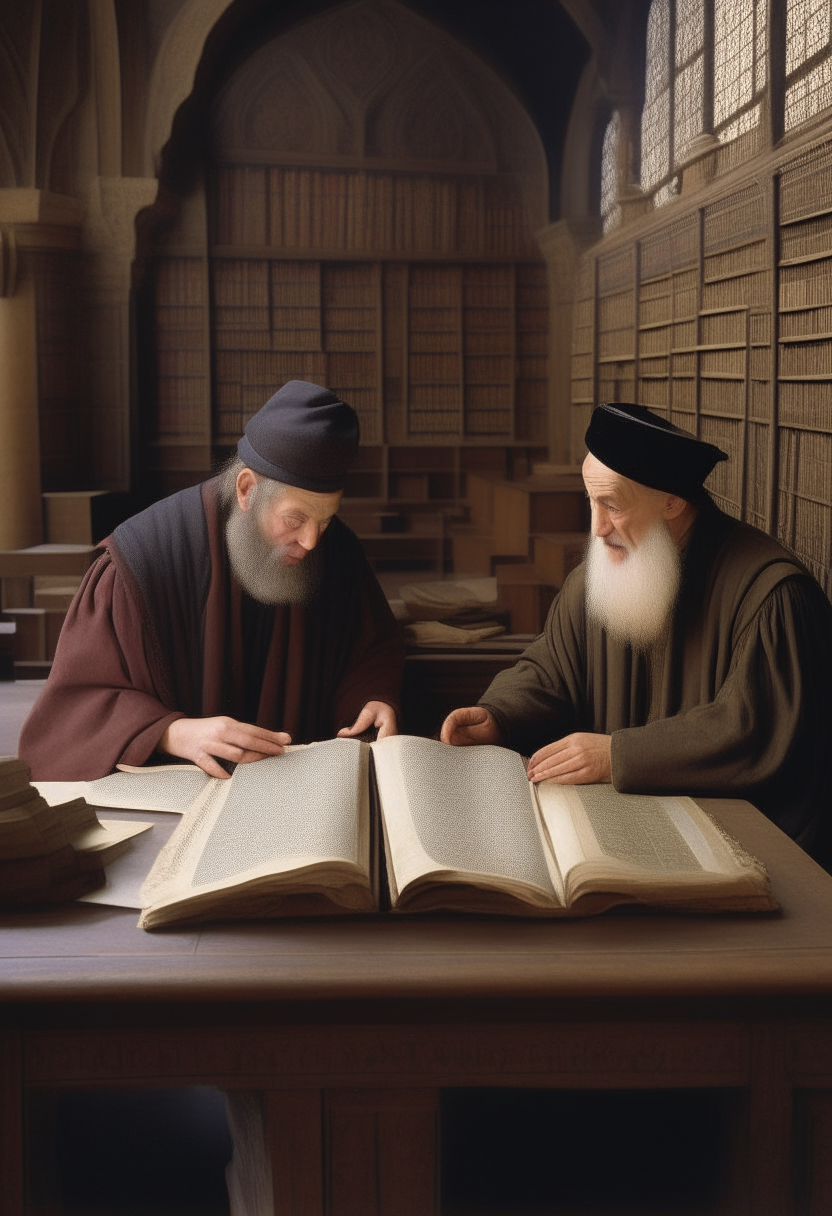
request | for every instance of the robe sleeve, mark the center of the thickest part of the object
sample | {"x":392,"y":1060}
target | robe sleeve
{"x":767,"y":729}
{"x":101,"y":705}
{"x":375,"y":669}
{"x":542,"y":697}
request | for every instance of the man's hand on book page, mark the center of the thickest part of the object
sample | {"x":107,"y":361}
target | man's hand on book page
{"x":377,"y":714}
{"x":579,"y":759}
{"x":205,"y":740}
{"x":474,"y":724}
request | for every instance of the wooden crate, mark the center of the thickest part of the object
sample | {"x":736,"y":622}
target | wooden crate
{"x":544,"y":504}
{"x":471,"y":552}
{"x":30,"y":633}
{"x":479,"y":493}
{"x":16,"y":592}
{"x":48,"y":559}
{"x":555,"y":554}
{"x":71,"y":517}
{"x":524,"y":595}
{"x":55,"y":592}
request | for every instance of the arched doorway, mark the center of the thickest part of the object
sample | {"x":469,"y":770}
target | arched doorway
{"x":365,"y":220}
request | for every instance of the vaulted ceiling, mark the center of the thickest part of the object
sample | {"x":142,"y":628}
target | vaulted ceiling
{"x":536,"y":47}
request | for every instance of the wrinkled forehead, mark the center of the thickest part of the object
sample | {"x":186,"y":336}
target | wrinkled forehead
{"x":603,"y":482}
{"x":294,"y":500}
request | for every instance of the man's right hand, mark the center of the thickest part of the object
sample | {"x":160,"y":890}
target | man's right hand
{"x":202,"y":740}
{"x":464,"y":727}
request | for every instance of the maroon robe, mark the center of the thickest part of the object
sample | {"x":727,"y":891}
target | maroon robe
{"x":160,"y":630}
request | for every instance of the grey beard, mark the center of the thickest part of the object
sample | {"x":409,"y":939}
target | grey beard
{"x":259,"y":567}
{"x":634,"y":599}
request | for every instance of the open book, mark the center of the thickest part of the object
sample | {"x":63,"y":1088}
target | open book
{"x":459,"y":829}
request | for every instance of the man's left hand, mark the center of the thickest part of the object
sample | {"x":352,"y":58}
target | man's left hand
{"x":579,"y":759}
{"x":374,"y":713}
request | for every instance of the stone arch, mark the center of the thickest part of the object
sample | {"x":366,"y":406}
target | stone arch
{"x":277,"y":101}
{"x":16,"y":104}
{"x":174,"y":71}
{"x":446,"y":125}
{"x":105,"y":50}
{"x":176,"y":64}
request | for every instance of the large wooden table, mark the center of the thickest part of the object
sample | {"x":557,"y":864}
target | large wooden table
{"x":334,"y":1038}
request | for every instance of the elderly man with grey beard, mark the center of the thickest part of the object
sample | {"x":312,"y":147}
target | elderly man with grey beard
{"x":228,"y":620}
{"x":689,"y":653}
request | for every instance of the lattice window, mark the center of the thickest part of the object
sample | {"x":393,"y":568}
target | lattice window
{"x":610,"y":210}
{"x":808,"y":60}
{"x":680,"y":59}
{"x":655,"y":123}
{"x":740,"y":54}
{"x":674,"y":94}
{"x":689,"y":75}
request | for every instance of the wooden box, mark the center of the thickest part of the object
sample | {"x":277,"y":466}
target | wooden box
{"x":471,"y":553}
{"x":71,"y":517}
{"x":30,"y":633}
{"x":524,"y":596}
{"x":479,"y":493}
{"x":536,"y":505}
{"x":555,"y":554}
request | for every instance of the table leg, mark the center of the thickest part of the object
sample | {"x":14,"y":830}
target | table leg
{"x":11,"y":1124}
{"x":770,"y":1125}
{"x":382,"y":1157}
{"x":277,"y":1166}
{"x":359,"y":1152}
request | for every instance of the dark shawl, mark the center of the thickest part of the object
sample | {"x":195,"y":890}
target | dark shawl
{"x":160,"y":629}
{"x":735,"y":703}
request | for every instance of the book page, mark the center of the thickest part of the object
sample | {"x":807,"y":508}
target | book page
{"x":126,"y":873}
{"x":661,"y":849}
{"x":169,"y":787}
{"x":659,"y":834}
{"x":460,"y":810}
{"x":307,"y":806}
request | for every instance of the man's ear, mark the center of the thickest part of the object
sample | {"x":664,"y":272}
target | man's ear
{"x":673,"y":507}
{"x":246,"y":481}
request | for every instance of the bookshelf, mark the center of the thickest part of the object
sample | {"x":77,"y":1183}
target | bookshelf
{"x":435,"y":346}
{"x":351,"y":325}
{"x":531,"y":310}
{"x":489,"y":341}
{"x":724,"y":308}
{"x":377,"y":240}
{"x":426,"y":352}
{"x":804,"y":358}
{"x":182,"y":367}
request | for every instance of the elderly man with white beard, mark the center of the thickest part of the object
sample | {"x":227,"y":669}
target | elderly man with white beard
{"x":689,"y":653}
{"x":227,"y":620}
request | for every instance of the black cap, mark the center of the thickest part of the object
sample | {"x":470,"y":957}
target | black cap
{"x":304,"y":435}
{"x":633,"y":441}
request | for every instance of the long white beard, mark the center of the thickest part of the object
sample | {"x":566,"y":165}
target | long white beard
{"x":633,"y":599}
{"x":259,"y":566}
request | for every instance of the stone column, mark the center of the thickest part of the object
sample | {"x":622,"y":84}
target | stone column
{"x":632,"y":201}
{"x":109,"y":238}
{"x":21,"y":520}
{"x":562,"y":245}
{"x":30,"y":221}
{"x":700,"y":162}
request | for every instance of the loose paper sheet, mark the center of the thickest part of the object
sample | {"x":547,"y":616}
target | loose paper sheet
{"x":126,"y":874}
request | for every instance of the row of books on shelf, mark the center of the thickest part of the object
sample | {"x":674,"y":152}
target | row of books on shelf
{"x":360,"y":211}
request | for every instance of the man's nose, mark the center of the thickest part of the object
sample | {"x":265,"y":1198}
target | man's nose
{"x":601,"y":523}
{"x":309,"y":536}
